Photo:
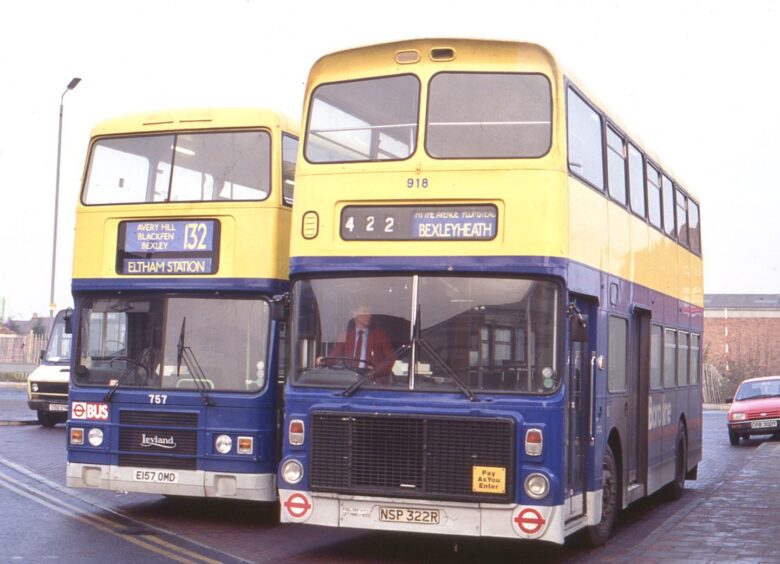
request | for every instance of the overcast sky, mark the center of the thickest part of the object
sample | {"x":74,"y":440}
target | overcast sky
{"x":696,"y":81}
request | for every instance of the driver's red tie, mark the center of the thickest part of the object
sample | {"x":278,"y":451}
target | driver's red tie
{"x":359,"y":345}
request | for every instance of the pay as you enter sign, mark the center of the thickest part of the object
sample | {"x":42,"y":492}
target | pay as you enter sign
{"x":488,"y":479}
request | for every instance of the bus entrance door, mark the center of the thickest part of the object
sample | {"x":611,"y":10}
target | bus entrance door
{"x":577,"y":410}
{"x":637,"y":405}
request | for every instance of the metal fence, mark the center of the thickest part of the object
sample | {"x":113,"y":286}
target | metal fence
{"x":21,"y":349}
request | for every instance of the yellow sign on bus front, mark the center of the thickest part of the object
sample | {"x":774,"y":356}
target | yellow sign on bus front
{"x":488,"y":479}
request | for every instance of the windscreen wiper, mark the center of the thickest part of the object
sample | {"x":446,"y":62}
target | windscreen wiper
{"x":371,"y":373}
{"x":425,"y":345}
{"x":132,"y":366}
{"x":184,"y":353}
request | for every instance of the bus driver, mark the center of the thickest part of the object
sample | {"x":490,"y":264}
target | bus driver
{"x":363,"y":345}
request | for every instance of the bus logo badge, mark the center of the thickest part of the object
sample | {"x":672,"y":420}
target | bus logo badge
{"x":529,"y":521}
{"x":298,"y":506}
{"x":89,"y":410}
{"x":157,"y":441}
{"x":488,"y":479}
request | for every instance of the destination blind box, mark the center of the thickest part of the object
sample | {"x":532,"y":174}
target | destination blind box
{"x":187,"y":247}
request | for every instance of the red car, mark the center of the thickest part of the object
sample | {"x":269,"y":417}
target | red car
{"x":755,"y":409}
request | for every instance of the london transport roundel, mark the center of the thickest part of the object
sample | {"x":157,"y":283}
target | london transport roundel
{"x":297,"y":506}
{"x":528,"y":522}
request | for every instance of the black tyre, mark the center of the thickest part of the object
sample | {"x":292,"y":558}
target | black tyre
{"x":733,"y":438}
{"x":676,"y":488}
{"x":47,"y":419}
{"x":610,"y":500}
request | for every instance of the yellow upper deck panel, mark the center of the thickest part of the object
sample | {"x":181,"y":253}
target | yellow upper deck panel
{"x":543,"y":210}
{"x":192,"y":119}
{"x":432,"y":56}
{"x":532,"y":190}
{"x":253,"y":237}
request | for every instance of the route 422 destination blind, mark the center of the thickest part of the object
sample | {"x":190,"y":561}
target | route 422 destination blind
{"x":187,"y":247}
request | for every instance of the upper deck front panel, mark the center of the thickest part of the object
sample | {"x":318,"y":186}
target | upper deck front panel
{"x":239,"y":232}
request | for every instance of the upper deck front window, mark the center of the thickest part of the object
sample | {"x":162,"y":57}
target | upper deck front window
{"x":489,"y":115}
{"x":188,"y":167}
{"x":363,"y":120}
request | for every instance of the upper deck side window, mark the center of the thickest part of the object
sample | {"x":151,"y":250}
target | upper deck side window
{"x":585,"y":136}
{"x":653,"y":195}
{"x":488,"y":115}
{"x":636,"y":181}
{"x":682,"y":218}
{"x":191,"y":167}
{"x":363,"y":120}
{"x":668,"y":205}
{"x":616,"y":166}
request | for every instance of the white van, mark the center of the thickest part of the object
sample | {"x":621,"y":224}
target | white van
{"x":47,"y":385}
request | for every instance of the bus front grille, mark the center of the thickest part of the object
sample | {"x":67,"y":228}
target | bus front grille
{"x":158,"y":439}
{"x":52,"y":388}
{"x":158,"y":418}
{"x":415,"y":456}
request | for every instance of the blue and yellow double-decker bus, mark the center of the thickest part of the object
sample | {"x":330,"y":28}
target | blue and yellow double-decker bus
{"x":181,"y":254}
{"x":496,"y":301}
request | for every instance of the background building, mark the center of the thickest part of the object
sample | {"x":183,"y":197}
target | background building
{"x":741,"y":337}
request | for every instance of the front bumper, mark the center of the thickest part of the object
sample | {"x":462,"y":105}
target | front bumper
{"x":755,"y":426}
{"x":196,"y":483}
{"x":453,"y":518}
{"x":55,"y":405}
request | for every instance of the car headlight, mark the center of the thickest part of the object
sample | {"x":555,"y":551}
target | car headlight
{"x":95,"y":437}
{"x":292,"y":471}
{"x":738,"y":416}
{"x":223,"y":444}
{"x":537,"y":486}
{"x":34,"y":387}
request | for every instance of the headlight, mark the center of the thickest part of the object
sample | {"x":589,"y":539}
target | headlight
{"x":292,"y":471}
{"x":34,"y":387}
{"x":537,"y":486}
{"x":223,"y":444}
{"x":737,"y":416}
{"x":95,"y":437}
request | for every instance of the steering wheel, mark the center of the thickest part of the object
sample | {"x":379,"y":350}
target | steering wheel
{"x":135,"y":365}
{"x":360,"y":366}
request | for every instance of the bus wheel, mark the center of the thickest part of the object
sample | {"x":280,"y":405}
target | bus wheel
{"x":598,"y":534}
{"x":675,"y":489}
{"x":46,"y":419}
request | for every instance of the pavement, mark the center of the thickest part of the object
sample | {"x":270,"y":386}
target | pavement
{"x":738,"y":521}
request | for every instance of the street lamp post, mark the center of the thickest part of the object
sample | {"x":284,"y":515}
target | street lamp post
{"x":52,"y":306}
